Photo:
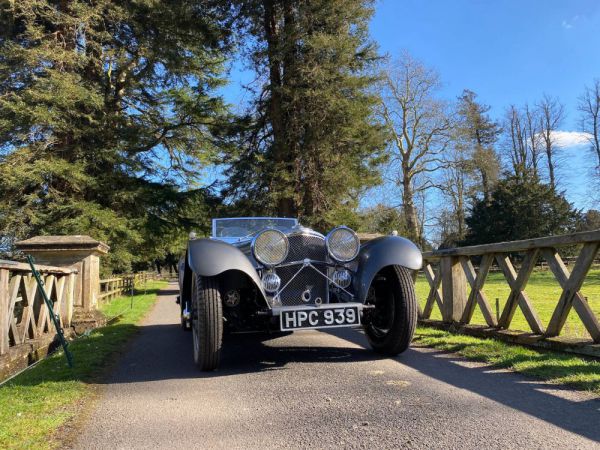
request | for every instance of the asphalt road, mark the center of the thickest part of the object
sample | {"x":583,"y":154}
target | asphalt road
{"x":323,"y":390}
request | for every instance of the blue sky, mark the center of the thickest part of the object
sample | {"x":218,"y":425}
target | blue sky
{"x":507,"y":51}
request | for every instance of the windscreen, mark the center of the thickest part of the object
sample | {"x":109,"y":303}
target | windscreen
{"x":242,"y":227}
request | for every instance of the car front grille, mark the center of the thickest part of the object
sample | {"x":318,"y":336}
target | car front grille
{"x":303,"y":246}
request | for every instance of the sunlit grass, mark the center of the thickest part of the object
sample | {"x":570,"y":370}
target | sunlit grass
{"x":554,"y":367}
{"x":34,"y":405}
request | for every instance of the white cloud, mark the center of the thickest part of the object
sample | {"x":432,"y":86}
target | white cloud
{"x":570,"y":23}
{"x":566,"y":139}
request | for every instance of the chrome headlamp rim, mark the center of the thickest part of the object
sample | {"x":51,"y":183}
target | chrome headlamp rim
{"x":331,"y":254}
{"x":258,"y":258}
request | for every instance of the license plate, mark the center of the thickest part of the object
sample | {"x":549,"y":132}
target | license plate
{"x":298,"y":319}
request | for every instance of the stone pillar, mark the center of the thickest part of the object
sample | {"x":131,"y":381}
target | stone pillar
{"x":79,"y":252}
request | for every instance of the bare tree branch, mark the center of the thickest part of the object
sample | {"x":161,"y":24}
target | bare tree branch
{"x":419,"y":124}
{"x":589,"y":109}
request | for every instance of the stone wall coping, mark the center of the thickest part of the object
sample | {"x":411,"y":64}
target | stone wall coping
{"x":16,"y":266}
{"x":62,"y":243}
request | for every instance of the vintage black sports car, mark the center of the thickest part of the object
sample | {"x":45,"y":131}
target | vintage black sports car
{"x":273,"y":274}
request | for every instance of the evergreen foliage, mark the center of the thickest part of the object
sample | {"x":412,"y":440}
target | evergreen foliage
{"x":521,"y":207}
{"x":106,"y":109}
{"x":382,"y":219}
{"x":479,"y":133}
{"x":312,"y":142}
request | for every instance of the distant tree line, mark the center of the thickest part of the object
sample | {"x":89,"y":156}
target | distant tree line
{"x":499,"y":179}
{"x":111,"y":119}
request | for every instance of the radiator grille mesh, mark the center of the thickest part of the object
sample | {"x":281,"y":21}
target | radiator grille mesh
{"x":304,"y":246}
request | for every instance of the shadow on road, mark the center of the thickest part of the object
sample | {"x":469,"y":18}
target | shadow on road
{"x":165,"y":352}
{"x":513,"y":390}
{"x":167,"y":292}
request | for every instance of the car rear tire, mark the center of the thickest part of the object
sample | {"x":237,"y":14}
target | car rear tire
{"x":207,"y":322}
{"x":390,"y":326}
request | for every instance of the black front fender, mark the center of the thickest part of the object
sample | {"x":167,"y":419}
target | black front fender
{"x":209,"y":258}
{"x":382,"y":252}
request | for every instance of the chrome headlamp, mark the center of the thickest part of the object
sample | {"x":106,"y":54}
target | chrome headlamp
{"x":342,"y":244}
{"x":270,"y":247}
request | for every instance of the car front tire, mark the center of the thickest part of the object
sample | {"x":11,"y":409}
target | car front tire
{"x":390,"y":326}
{"x":207,"y":322}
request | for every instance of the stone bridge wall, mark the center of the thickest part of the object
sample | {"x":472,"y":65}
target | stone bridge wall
{"x":70,"y":268}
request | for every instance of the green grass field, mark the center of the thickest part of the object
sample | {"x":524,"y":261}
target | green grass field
{"x":544,"y":292}
{"x":35,"y":404}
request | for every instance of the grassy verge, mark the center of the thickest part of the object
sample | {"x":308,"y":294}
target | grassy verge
{"x":557,"y":368}
{"x":36,"y":403}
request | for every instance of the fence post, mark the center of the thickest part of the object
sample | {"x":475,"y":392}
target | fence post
{"x":79,"y":252}
{"x":4,"y":306}
{"x":68,"y":311}
{"x":454,"y":288}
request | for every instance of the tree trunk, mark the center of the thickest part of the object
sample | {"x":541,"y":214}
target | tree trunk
{"x":485,"y":186}
{"x":410,"y":212}
{"x":285,"y":203}
{"x":460,"y":212}
{"x":551,"y":168}
{"x":534,"y":163}
{"x":597,"y":140}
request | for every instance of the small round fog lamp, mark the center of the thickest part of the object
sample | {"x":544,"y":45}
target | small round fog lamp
{"x":271,"y":282}
{"x":342,"y":278}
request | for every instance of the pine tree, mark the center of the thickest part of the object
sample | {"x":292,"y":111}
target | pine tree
{"x":520,"y":207}
{"x":382,"y":219}
{"x":106,"y":108}
{"x":472,"y":165}
{"x":312,"y":143}
{"x":479,"y":134}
